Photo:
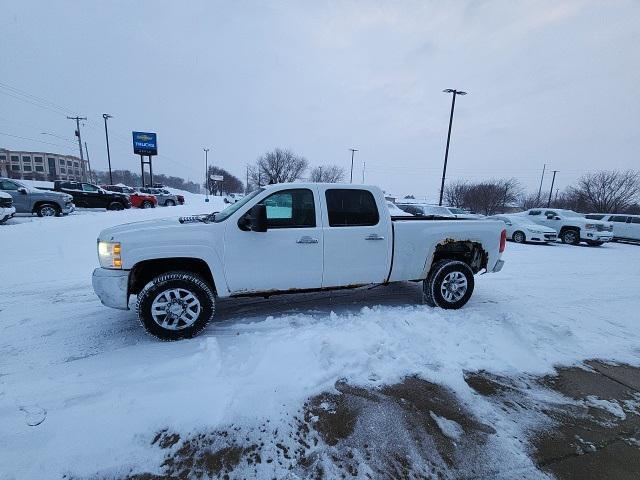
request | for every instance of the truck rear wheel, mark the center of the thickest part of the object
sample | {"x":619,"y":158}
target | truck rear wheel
{"x":175,"y":305}
{"x":449,"y":285}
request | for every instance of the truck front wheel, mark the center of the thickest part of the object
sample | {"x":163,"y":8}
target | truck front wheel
{"x":449,"y":284}
{"x":175,"y":305}
{"x":570,"y":236}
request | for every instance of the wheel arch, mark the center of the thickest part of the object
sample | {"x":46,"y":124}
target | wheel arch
{"x":39,"y":203}
{"x":466,"y":251}
{"x":145,"y":270}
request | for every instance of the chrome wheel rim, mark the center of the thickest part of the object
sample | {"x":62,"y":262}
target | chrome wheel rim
{"x":570,"y":237}
{"x":453,"y":287}
{"x":175,"y":309}
{"x":519,"y":237}
{"x":48,"y":211}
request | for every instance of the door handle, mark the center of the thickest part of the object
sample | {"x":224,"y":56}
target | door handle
{"x":374,"y":236}
{"x":307,"y":239}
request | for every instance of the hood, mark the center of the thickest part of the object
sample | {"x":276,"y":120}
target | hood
{"x":145,"y":227}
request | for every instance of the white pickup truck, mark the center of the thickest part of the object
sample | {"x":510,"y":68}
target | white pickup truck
{"x":287,"y":238}
{"x":572,"y":227}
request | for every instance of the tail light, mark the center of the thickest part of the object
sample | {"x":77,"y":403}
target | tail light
{"x":503,"y":240}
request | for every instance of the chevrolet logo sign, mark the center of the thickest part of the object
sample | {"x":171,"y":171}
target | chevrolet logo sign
{"x":144,"y":138}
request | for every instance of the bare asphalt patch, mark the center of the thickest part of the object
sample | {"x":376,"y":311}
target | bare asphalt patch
{"x":581,"y":423}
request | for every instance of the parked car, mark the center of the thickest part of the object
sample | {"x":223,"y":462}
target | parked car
{"x":137,"y":199}
{"x":571,"y":227}
{"x":164,"y":197}
{"x":625,"y":227}
{"x":7,"y":210}
{"x":522,"y":231}
{"x":88,"y":195}
{"x":232,"y":197}
{"x":287,"y":238}
{"x":44,"y":203}
{"x":394,"y":211}
{"x":424,"y":210}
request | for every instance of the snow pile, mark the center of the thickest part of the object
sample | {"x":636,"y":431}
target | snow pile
{"x":104,"y":387}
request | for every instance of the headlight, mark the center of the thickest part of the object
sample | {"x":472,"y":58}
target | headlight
{"x":538,"y":232}
{"x":109,"y":254}
{"x":68,"y":198}
{"x":590,"y":226}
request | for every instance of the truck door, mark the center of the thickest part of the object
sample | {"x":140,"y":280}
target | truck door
{"x":357,"y":238}
{"x":287,"y":256}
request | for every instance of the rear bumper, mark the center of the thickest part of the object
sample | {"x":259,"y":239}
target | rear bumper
{"x":112,"y":287}
{"x":498,"y":266}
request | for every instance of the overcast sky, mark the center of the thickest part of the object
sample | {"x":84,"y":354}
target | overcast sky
{"x":553,"y":82}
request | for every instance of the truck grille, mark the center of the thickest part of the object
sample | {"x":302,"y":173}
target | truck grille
{"x":6,"y":202}
{"x":604,"y":228}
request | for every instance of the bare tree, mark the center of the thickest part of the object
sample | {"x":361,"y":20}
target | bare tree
{"x":328,"y":174}
{"x":230,"y":184}
{"x":277,"y":166}
{"x":455,"y":192}
{"x":607,"y":190}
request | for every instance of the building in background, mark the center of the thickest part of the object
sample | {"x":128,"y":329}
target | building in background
{"x":42,"y":166}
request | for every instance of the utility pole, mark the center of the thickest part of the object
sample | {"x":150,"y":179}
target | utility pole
{"x":446,"y":152}
{"x":206,"y":173}
{"x":106,"y":134}
{"x":553,"y":180}
{"x":88,"y":162}
{"x":364,"y":165}
{"x":77,"y":119}
{"x":540,"y":188}
{"x":353,"y":150}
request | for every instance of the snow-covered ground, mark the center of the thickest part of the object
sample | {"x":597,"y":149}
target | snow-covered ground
{"x":99,"y":388}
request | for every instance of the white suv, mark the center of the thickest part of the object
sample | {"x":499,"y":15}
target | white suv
{"x":7,"y":210}
{"x":571,"y":226}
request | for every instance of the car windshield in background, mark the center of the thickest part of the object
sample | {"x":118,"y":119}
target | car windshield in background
{"x":456,"y":210}
{"x":231,"y":209}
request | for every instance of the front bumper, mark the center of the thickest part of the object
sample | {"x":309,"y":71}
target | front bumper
{"x":112,"y":287}
{"x":543,"y":237}
{"x":598,"y":236}
{"x":6,"y":213}
{"x":68,"y":208}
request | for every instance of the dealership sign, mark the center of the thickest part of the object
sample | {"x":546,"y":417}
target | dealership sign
{"x":145,"y":143}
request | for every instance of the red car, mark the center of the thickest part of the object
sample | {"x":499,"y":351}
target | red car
{"x":138,"y":199}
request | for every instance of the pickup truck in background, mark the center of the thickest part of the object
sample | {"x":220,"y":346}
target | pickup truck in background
{"x":287,"y":238}
{"x":44,"y":203}
{"x":88,"y":195}
{"x":571,"y":227}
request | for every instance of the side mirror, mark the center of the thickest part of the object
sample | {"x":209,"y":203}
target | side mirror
{"x":556,"y":218}
{"x":255,"y":220}
{"x":22,"y":190}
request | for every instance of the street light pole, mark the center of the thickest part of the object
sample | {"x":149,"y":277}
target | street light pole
{"x":206,"y":173}
{"x":353,"y":150}
{"x":544,"y":166}
{"x":106,"y":134}
{"x":553,"y":180}
{"x":446,"y":152}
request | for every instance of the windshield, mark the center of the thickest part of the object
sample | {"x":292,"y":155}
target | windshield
{"x":571,"y":213}
{"x":231,"y":209}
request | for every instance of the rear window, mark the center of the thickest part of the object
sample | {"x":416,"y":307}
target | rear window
{"x":351,"y":208}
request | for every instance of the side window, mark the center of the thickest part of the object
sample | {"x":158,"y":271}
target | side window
{"x":87,"y":187}
{"x":535,"y":212}
{"x":7,"y":185}
{"x":550,"y":213}
{"x":351,"y":208}
{"x":635,"y":219}
{"x":293,"y":208}
{"x":618,"y":218}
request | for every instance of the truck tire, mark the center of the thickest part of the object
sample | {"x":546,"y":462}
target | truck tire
{"x":449,"y":285}
{"x":115,"y":206}
{"x":594,"y":243}
{"x":570,"y":236}
{"x":519,"y":237}
{"x":175,"y":305}
{"x":48,"y":210}
{"x":169,"y":203}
